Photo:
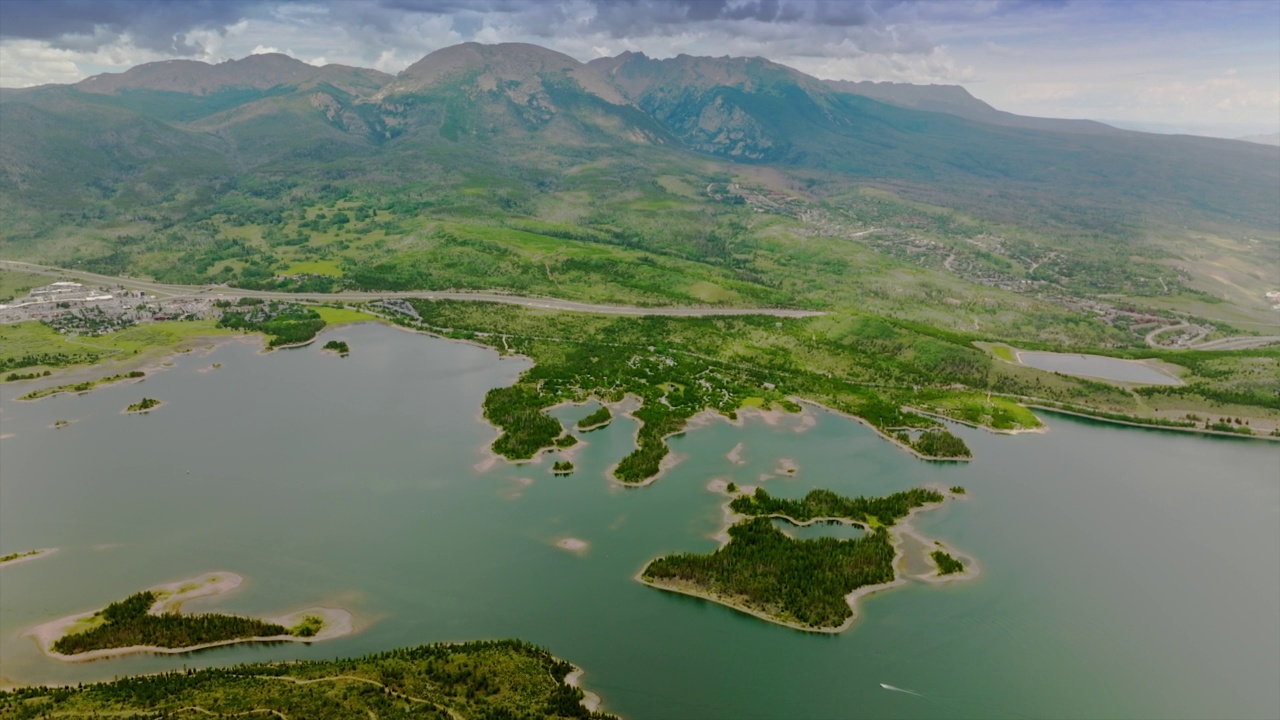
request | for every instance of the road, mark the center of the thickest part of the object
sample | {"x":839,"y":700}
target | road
{"x":216,"y":291}
{"x":1243,"y":342}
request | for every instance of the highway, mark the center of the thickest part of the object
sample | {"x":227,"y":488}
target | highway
{"x":215,"y":291}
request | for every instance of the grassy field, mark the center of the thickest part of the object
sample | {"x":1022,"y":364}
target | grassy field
{"x":16,"y":284}
{"x":338,"y":316}
{"x":144,"y":341}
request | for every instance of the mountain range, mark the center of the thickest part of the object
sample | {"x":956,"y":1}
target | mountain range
{"x":172,"y":123}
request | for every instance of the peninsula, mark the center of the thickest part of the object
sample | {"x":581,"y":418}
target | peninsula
{"x":503,"y":678}
{"x":150,"y":622}
{"x":810,"y":585}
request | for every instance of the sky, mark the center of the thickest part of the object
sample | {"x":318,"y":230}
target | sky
{"x":1209,"y":68}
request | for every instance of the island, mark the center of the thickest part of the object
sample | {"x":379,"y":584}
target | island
{"x":562,"y":467}
{"x":338,"y":346}
{"x":26,"y":556}
{"x":810,"y":585}
{"x":144,"y":405}
{"x":596,"y":420}
{"x":947,"y":565}
{"x":494,"y":678}
{"x":83,"y":387}
{"x":150,"y":622}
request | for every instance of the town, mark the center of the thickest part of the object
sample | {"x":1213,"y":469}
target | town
{"x":76,"y":309}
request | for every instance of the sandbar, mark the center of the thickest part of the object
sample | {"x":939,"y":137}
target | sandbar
{"x":573,"y":545}
{"x":29,"y":556}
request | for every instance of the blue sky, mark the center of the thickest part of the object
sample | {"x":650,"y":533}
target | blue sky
{"x":1189,"y":66}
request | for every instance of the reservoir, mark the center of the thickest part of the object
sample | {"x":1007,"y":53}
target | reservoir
{"x":1097,"y":366}
{"x":1125,"y":572}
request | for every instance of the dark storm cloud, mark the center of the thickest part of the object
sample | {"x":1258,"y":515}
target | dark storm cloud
{"x":83,"y":24}
{"x":163,"y":25}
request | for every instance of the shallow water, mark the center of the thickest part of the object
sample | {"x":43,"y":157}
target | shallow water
{"x":1096,"y":366}
{"x":1125,"y":572}
{"x":840,"y":531}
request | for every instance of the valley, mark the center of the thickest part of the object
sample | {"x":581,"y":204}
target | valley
{"x":505,"y":343}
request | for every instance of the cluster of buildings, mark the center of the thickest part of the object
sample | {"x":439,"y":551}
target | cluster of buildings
{"x":78,"y":309}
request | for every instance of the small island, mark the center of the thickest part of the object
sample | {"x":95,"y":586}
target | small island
{"x":143,"y":406}
{"x":83,"y":387}
{"x":596,"y":420}
{"x":809,"y":585}
{"x":150,"y":622}
{"x":947,"y":565}
{"x":27,"y":556}
{"x":338,"y":346}
{"x":562,"y":467}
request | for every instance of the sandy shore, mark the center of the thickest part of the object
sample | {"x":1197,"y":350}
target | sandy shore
{"x":590,"y":700}
{"x":897,"y":532}
{"x":336,"y":622}
{"x":34,"y":555}
{"x":735,"y":455}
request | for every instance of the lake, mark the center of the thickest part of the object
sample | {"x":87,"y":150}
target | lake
{"x":1096,"y":366}
{"x":1125,"y":572}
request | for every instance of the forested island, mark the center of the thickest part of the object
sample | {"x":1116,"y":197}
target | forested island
{"x":596,"y":420}
{"x":149,"y":621}
{"x":947,"y":565}
{"x":129,"y":622}
{"x":144,"y":405}
{"x":338,"y":346}
{"x":805,"y":584}
{"x":489,"y":679}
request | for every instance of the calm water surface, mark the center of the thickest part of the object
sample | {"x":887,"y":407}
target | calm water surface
{"x":1126,"y":573}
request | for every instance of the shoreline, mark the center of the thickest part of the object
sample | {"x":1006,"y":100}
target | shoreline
{"x":29,"y":556}
{"x":1145,"y":426}
{"x":998,"y":431}
{"x":591,"y":701}
{"x":897,"y":534}
{"x":881,"y":433}
{"x":336,"y":622}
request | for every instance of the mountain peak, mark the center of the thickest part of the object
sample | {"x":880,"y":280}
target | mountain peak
{"x":515,"y":68}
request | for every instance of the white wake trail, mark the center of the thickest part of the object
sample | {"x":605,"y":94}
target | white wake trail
{"x":891,"y":688}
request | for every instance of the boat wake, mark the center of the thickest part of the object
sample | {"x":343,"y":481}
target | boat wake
{"x":891,"y":688}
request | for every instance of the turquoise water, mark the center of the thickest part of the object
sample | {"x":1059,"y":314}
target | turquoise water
{"x":1096,"y":366}
{"x":1125,"y":572}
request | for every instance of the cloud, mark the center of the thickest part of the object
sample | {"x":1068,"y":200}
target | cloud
{"x":160,"y":25}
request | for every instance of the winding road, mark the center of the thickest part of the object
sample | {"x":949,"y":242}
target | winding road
{"x":218,"y":291}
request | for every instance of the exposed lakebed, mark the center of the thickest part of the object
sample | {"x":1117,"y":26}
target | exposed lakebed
{"x":1097,"y":366}
{"x":353,"y":483}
